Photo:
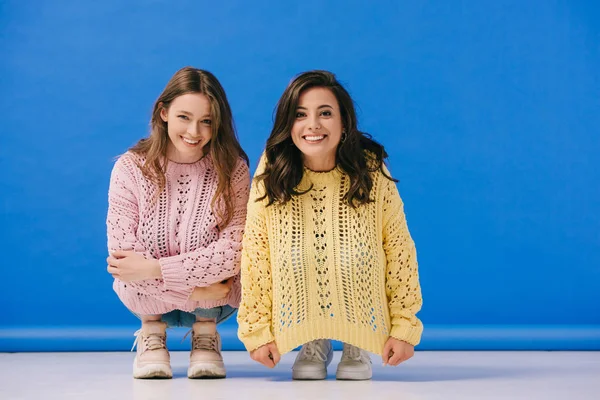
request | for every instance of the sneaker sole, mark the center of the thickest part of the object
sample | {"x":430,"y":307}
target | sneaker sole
{"x":342,"y":375}
{"x":309,"y":375}
{"x":207,"y":371}
{"x":152,"y":371}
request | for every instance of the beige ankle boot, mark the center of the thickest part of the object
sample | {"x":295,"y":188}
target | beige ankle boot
{"x":205,"y":359}
{"x":152,"y":359}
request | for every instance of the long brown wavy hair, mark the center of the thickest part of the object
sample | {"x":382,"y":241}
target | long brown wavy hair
{"x":224,"y":147}
{"x":358,"y":155}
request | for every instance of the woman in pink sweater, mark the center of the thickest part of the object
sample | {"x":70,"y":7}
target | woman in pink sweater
{"x":176,"y":215}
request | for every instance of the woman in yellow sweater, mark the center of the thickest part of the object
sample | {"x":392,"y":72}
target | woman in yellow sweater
{"x":326,"y":250}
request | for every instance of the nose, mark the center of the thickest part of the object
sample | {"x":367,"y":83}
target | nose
{"x":192,"y":129}
{"x":314,"y":123}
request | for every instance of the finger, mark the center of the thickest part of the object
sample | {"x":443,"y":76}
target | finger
{"x":269,"y":362}
{"x":275,"y":353}
{"x":224,"y":284}
{"x":113,"y":261}
{"x":265,"y":360}
{"x":121,"y":253}
{"x":385,"y":356}
{"x":399,"y":362}
{"x":266,"y":356}
{"x":396,"y":358}
{"x":256,"y":355}
{"x":112,"y":270}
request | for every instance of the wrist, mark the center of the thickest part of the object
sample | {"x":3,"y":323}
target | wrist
{"x":155,"y":269}
{"x":197,"y":294}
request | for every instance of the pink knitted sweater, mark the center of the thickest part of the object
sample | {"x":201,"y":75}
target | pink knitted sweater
{"x":179,"y":229}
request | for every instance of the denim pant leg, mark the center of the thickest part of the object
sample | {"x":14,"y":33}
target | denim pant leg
{"x":178,"y":318}
{"x":221,"y":313}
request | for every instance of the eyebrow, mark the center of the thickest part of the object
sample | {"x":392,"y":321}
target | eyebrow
{"x":190,"y":114}
{"x":318,"y":108}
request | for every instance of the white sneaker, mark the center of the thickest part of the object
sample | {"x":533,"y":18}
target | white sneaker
{"x":355,"y":364}
{"x":206,"y":361}
{"x":152,"y":359}
{"x":312,"y":361}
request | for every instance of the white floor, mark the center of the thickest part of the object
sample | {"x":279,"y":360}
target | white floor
{"x":430,"y":375}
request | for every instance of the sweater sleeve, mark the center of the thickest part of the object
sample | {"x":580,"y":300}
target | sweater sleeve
{"x":402,"y":277}
{"x":219,"y":260}
{"x":122,"y":224}
{"x":255,"y":312}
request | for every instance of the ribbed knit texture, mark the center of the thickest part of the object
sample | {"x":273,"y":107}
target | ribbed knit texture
{"x":179,"y":229}
{"x":316,"y":268}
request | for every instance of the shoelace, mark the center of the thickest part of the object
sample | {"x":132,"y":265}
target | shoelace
{"x":202,"y":342}
{"x":313,"y":350}
{"x":151,"y":342}
{"x":352,"y":352}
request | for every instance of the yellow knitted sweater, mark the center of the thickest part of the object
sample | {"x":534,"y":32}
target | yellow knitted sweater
{"x":316,"y":268}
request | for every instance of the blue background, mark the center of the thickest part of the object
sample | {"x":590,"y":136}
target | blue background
{"x":489,"y":110}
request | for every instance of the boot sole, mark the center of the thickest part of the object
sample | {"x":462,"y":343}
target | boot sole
{"x":152,"y":371}
{"x":207,"y":371}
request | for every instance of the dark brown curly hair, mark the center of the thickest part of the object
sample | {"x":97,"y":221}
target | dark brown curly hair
{"x":358,"y":155}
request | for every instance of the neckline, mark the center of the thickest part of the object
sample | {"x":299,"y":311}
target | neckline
{"x":179,"y":166}
{"x":323,"y":177}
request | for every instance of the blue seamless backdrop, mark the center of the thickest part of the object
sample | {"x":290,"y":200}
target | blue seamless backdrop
{"x":489,"y":111}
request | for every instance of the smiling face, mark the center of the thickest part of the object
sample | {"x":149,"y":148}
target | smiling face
{"x":317,"y":129}
{"x":189,"y":127}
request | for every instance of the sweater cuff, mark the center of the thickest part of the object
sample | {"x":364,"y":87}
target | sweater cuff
{"x":179,"y":297}
{"x":257,"y":338}
{"x":408,"y":333}
{"x":173,"y":277}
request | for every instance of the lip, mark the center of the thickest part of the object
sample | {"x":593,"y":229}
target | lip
{"x":314,"y":142}
{"x":184,"y":140}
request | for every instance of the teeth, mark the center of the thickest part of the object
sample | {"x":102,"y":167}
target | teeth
{"x":314,"y":138}
{"x":190,"y":141}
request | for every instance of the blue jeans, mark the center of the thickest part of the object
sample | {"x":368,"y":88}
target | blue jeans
{"x":177,"y":318}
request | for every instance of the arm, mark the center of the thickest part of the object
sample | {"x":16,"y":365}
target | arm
{"x":402,"y":277}
{"x":122,"y":223}
{"x":219,"y":260}
{"x":254,"y":315}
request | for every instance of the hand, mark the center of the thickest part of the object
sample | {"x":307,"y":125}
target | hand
{"x":267,"y":355}
{"x":216,"y":291}
{"x":396,"y":351}
{"x":129,"y":266}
